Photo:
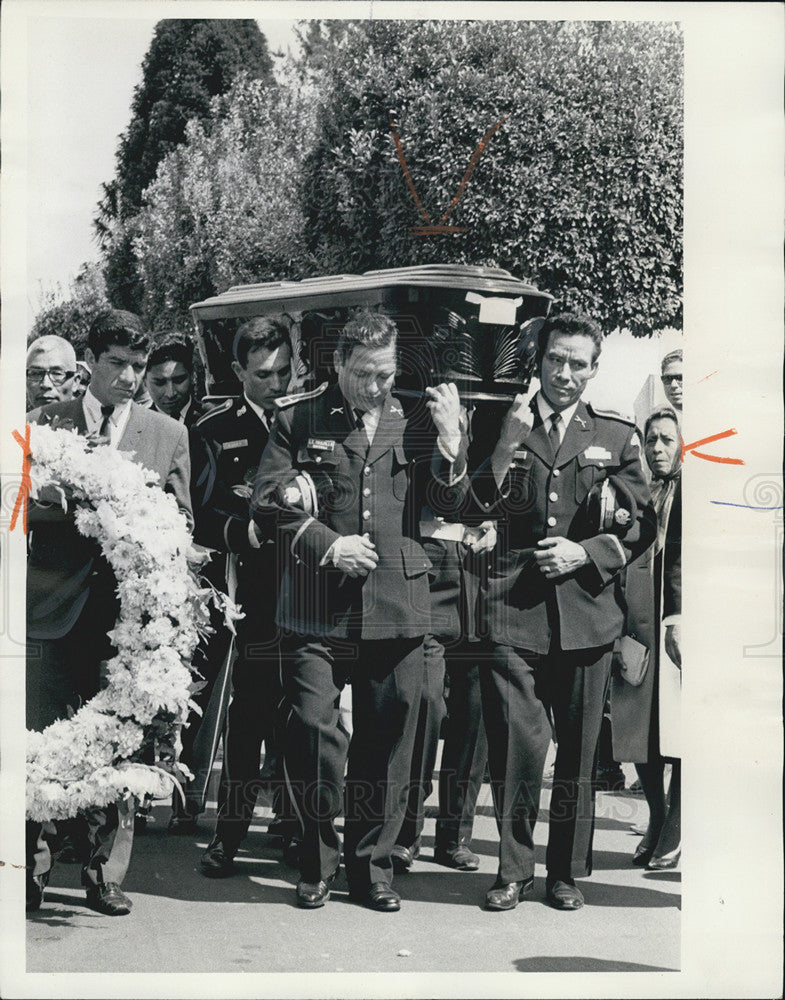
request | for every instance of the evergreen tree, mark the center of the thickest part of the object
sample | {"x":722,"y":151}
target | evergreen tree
{"x":189,"y":62}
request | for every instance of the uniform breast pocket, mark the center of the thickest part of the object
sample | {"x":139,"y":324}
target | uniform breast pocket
{"x":401,"y":472}
{"x":590,"y":471}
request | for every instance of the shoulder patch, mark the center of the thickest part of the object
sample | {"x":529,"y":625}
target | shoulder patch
{"x":214,"y":411}
{"x":626,"y":418}
{"x":298,"y":397}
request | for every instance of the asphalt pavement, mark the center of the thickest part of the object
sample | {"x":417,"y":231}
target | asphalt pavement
{"x":249,"y":923}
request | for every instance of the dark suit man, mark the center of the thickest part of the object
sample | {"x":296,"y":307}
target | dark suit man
{"x":554,"y":606}
{"x":354,"y":598}
{"x":228,"y":443}
{"x":71,"y":590}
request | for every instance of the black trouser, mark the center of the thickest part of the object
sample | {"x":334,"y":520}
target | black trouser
{"x":386,"y":678}
{"x":254,"y":718}
{"x":518,"y":691}
{"x":465,"y":750}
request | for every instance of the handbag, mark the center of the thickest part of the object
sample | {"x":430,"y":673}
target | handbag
{"x":632,"y":659}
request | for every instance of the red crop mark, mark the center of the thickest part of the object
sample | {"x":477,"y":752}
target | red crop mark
{"x":26,"y":485}
{"x":441,"y":227}
{"x":708,"y":376}
{"x":685,"y":448}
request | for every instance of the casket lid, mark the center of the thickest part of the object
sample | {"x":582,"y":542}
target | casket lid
{"x":370,"y":288}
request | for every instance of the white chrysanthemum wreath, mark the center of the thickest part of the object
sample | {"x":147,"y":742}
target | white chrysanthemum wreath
{"x":102,"y":753}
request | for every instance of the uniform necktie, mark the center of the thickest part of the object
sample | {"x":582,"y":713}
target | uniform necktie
{"x":358,"y":419}
{"x":553,"y":433}
{"x":105,"y":430}
{"x":269,"y":416}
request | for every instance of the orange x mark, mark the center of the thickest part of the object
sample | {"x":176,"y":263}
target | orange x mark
{"x":26,"y":486}
{"x":685,"y":448}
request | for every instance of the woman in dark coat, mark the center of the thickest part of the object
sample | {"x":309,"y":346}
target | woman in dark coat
{"x":661,"y":845}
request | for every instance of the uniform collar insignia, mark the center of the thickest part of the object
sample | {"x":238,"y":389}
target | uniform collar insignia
{"x":336,"y":409}
{"x":396,"y":409}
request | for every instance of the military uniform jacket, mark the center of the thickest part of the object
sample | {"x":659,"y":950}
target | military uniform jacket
{"x":226,"y":447}
{"x":379,"y":489}
{"x":543,"y":497}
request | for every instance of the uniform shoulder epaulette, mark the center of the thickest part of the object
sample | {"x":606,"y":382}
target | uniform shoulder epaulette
{"x":298,"y":397}
{"x":215,"y":410}
{"x":625,"y":418}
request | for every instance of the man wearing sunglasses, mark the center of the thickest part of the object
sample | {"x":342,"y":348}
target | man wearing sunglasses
{"x":672,"y":379}
{"x":51,"y":367}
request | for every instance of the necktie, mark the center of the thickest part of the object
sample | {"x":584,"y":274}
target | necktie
{"x":105,"y":430}
{"x":359,"y":414}
{"x":269,"y":416}
{"x":553,"y":433}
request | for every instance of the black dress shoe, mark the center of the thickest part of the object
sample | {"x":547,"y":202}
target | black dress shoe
{"x":108,"y":898}
{"x":217,"y":862}
{"x":378,"y":896}
{"x":283,"y":829}
{"x":404,"y":857}
{"x":507,"y":895}
{"x":457,"y":856}
{"x":563,"y":895}
{"x":643,"y":854}
{"x":36,"y":884}
{"x":311,"y":895}
{"x":664,"y":862}
{"x":182,"y":823}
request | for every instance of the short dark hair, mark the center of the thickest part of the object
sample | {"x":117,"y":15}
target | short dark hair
{"x":171,"y":347}
{"x":572,"y":324}
{"x":366,"y":328}
{"x":661,"y":413}
{"x":116,"y":326}
{"x":260,"y":333}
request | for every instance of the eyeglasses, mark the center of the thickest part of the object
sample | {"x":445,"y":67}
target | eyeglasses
{"x":665,"y":379}
{"x":55,"y":375}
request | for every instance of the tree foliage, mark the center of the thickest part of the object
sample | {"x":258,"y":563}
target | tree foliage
{"x":189,"y":62}
{"x":225,"y":205}
{"x":580,"y":190}
{"x":70,"y":316}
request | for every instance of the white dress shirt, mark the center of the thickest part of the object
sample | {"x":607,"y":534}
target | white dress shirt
{"x":545,"y":410}
{"x":118,"y":421}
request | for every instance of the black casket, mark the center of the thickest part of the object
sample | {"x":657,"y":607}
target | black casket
{"x":475,"y":326}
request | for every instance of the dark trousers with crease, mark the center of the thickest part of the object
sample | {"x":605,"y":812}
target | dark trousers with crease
{"x":520,"y":691}
{"x":465,"y":750}
{"x":254,"y":718}
{"x":386,"y":677}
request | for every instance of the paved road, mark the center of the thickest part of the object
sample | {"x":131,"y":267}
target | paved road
{"x":249,"y":923}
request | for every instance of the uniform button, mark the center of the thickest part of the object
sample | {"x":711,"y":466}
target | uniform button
{"x":367,"y":470}
{"x":554,"y":497}
{"x":556,"y":473}
{"x":236,"y":458}
{"x":318,"y":458}
{"x":367,"y":514}
{"x":551,"y":522}
{"x":367,"y":491}
{"x":487,"y":504}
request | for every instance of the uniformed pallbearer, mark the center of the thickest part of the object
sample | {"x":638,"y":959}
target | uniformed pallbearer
{"x":227,"y":444}
{"x":566,"y":485}
{"x":354,"y":599}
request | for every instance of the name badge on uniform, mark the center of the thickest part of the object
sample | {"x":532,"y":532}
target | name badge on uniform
{"x":319,"y":444}
{"x":595,"y":451}
{"x":228,"y":445}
